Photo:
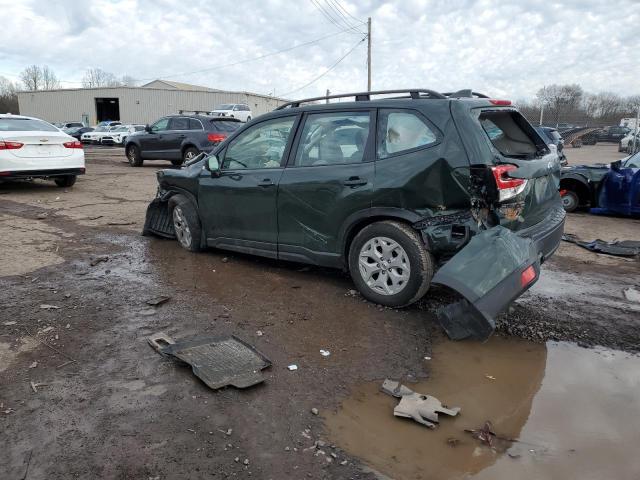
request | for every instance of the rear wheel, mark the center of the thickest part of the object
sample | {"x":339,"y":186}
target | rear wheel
{"x":66,"y":181}
{"x":188,"y":154}
{"x":570,"y":200}
{"x":186,"y":223}
{"x":133,"y":155}
{"x":176,"y":163}
{"x":248,"y":119}
{"x":389,"y":264}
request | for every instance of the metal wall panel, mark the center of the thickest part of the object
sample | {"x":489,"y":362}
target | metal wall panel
{"x":137,"y":104}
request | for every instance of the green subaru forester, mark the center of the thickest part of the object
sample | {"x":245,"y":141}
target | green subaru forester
{"x":403,"y":188}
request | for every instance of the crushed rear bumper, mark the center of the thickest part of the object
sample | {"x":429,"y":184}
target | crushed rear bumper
{"x":491,"y":271}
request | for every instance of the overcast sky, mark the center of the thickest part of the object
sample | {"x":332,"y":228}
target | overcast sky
{"x":498,"y":47}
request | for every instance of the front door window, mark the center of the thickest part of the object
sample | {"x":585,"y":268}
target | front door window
{"x":261,"y":146}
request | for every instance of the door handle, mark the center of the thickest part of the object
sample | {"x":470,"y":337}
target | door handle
{"x":355,"y":182}
{"x":266,"y":183}
{"x":181,"y":136}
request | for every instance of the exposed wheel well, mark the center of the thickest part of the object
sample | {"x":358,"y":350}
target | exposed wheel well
{"x":578,"y":187}
{"x":359,"y":225}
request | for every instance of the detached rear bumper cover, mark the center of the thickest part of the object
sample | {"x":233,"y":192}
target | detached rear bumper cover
{"x":488,"y":273}
{"x":157,"y":220}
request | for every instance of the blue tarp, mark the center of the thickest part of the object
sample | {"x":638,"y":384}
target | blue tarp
{"x":620,"y":193}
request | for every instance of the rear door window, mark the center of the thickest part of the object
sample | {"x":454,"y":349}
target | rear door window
{"x":179,"y":123}
{"x":224,"y":125}
{"x":333,"y":138}
{"x":506,"y":133}
{"x":400,"y":131}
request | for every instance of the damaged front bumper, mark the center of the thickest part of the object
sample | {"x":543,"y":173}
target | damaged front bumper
{"x":491,"y":271}
{"x":157,"y":221}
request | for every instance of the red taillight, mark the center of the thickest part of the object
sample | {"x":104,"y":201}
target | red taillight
{"x":500,"y":102}
{"x":527,"y":276}
{"x":75,"y":144}
{"x":10,"y":145}
{"x":507,"y":187}
{"x":216,"y":137}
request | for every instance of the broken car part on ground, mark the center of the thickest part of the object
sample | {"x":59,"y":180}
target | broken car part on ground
{"x":217,"y":361}
{"x":424,"y":409}
{"x":450,"y":175}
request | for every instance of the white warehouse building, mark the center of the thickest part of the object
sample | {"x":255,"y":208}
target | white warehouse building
{"x":142,"y":105}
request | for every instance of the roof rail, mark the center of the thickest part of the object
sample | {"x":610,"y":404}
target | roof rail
{"x":194,"y":112}
{"x":414,"y":93}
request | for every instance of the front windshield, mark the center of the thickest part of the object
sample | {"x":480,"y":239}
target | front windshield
{"x":121,"y":129}
{"x":225,"y":106}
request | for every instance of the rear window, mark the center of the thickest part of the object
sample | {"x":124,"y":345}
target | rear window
{"x":25,"y":125}
{"x":224,"y":125}
{"x":505,"y":131}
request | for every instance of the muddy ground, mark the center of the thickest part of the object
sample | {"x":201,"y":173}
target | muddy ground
{"x":103,"y":404}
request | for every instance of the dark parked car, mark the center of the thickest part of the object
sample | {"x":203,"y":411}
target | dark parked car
{"x":76,"y":132}
{"x":391,"y":189}
{"x":178,"y":138}
{"x":552,"y":136}
{"x":581,"y":185}
{"x":612,"y":134}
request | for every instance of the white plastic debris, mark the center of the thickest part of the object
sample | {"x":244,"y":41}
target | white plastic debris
{"x":325,"y":353}
{"x":293,"y":367}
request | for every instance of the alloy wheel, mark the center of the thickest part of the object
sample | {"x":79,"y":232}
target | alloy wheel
{"x":384,"y":266}
{"x":181,"y":227}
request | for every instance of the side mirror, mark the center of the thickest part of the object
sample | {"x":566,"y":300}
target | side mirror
{"x":147,"y":128}
{"x":213,"y":165}
{"x":616,"y":166}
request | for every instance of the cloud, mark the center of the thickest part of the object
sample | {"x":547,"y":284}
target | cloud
{"x":502,"y":48}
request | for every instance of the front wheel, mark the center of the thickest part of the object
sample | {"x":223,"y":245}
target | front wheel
{"x":186,"y":223}
{"x":66,"y":181}
{"x":389,"y":264}
{"x":133,"y":155}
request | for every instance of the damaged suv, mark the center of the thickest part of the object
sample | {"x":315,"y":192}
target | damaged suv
{"x":414,"y":188}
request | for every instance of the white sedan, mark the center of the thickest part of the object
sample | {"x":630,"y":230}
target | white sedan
{"x":32,"y":148}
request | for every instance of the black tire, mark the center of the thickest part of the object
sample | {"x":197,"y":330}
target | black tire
{"x":187,"y":155}
{"x":570,"y":201}
{"x":248,"y":118}
{"x":66,"y":181}
{"x":188,"y":216}
{"x":420,"y":262}
{"x":133,"y":155}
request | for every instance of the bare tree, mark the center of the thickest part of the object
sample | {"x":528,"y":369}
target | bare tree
{"x":35,"y":77}
{"x":560,"y":100}
{"x":31,"y":77}
{"x":8,"y":96}
{"x":96,"y":77}
{"x":49,"y":79}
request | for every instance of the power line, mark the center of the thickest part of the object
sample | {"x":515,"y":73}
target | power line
{"x":330,"y":18}
{"x":336,"y":8}
{"x":337,"y":2}
{"x":334,"y":65}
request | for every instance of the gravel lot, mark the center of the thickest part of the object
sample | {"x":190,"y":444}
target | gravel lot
{"x":113,"y":408}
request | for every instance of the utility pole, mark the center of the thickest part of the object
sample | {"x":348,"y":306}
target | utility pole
{"x":328,"y":93}
{"x":369,"y":54}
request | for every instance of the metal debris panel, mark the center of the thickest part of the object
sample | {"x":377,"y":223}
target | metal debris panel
{"x":217,"y":361}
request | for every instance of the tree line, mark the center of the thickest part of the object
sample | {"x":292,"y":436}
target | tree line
{"x":570,"y":104}
{"x":41,"y":77}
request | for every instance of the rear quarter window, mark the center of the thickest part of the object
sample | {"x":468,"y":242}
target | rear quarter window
{"x":401,"y":131}
{"x":224,"y":125}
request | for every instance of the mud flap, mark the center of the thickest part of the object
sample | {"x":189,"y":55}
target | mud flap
{"x":495,"y":268}
{"x":157,"y":221}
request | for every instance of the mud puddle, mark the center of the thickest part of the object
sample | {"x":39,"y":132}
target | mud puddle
{"x":573,"y":413}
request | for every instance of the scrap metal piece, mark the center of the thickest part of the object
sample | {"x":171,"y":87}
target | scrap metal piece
{"x":423,"y":409}
{"x":623,"y":248}
{"x":217,"y":361}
